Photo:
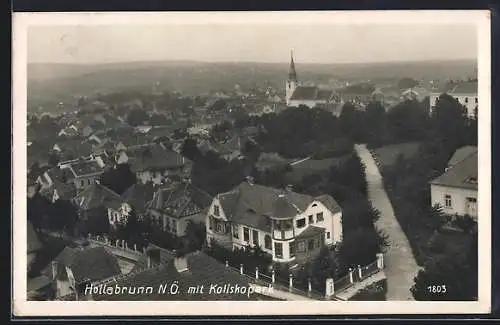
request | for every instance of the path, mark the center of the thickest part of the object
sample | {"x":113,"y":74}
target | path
{"x":400,"y":265}
{"x":358,"y":286}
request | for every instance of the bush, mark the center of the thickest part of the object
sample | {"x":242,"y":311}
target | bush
{"x":374,"y":292}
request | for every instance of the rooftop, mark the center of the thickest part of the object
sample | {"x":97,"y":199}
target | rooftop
{"x":180,"y":199}
{"x":92,"y":263}
{"x":469,"y":87}
{"x":97,"y":196}
{"x":254,"y":204}
{"x":463,"y":174}
{"x":203,"y":270}
{"x":86,"y":167}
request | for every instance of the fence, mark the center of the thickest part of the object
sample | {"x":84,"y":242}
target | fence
{"x":359,"y":274}
{"x":117,"y":244}
{"x":278,"y":283}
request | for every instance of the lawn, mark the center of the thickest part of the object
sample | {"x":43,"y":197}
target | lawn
{"x":312,"y":166}
{"x":387,"y":155}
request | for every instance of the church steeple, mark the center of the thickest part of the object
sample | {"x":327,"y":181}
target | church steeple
{"x":292,"y":74}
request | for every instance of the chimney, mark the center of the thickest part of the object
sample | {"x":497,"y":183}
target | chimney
{"x":250,"y":180}
{"x":180,"y":261}
{"x":289,"y":188}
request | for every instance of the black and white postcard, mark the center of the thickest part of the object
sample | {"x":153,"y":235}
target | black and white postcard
{"x":251,"y":163}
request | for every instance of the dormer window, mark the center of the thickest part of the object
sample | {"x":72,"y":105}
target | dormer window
{"x":216,"y":210}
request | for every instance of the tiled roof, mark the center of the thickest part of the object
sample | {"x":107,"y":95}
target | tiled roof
{"x":203,"y":270}
{"x":93,"y":263}
{"x":38,"y":283}
{"x":311,"y":231}
{"x":34,"y":243}
{"x":86,"y":167}
{"x":304,"y":93}
{"x":179,"y":199}
{"x":462,"y":175}
{"x":155,"y":157}
{"x":461,"y":154}
{"x":65,"y":191}
{"x":465,"y":88}
{"x":97,"y":196}
{"x":254,"y":203}
{"x":138,"y":195}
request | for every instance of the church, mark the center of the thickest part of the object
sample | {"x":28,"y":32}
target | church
{"x":310,"y":96}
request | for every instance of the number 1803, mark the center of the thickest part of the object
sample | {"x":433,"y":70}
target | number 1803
{"x":437,"y":288}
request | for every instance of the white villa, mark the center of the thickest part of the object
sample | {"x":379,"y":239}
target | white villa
{"x":289,"y":226}
{"x":456,"y":189}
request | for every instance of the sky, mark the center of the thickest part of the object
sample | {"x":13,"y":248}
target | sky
{"x":313,"y":43}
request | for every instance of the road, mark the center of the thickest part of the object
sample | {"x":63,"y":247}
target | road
{"x":400,"y":265}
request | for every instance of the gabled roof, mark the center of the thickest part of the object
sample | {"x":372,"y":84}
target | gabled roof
{"x":304,"y":93}
{"x":138,"y":195}
{"x":461,"y":154}
{"x":86,"y":167}
{"x":92,"y":263}
{"x":253,"y":203}
{"x":202,"y":270}
{"x":465,"y":88}
{"x":97,"y":196}
{"x":154,"y":157}
{"x":462,"y":175}
{"x":179,"y":199}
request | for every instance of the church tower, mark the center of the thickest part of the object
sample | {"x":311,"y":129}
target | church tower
{"x":291,"y":83}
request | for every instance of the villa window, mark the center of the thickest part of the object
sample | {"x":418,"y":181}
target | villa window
{"x":246,"y":234}
{"x":174,"y":226}
{"x":267,"y":242}
{"x":447,"y":201}
{"x":327,"y":235}
{"x":301,"y":223}
{"x":220,"y":228}
{"x":236,"y":231}
{"x":255,"y":237}
{"x":466,"y":100}
{"x":216,"y":210}
{"x":319,"y":217}
{"x":291,"y":248}
{"x":475,"y":99}
{"x":278,"y":250}
{"x":310,"y":219}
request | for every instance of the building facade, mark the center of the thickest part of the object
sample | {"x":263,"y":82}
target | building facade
{"x":289,"y":226}
{"x":455,"y":191}
{"x":465,"y":93}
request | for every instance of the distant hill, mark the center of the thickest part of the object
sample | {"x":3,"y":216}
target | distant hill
{"x":48,"y":83}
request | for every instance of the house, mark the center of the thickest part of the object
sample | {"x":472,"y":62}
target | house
{"x":77,"y":266}
{"x":33,"y":244}
{"x":465,"y":93}
{"x":85,"y":171}
{"x":289,"y":226}
{"x":138,"y":195}
{"x":97,"y":201}
{"x":199,"y":278}
{"x":414,"y":93}
{"x":175,"y":205}
{"x":155,"y":162}
{"x":456,"y":189}
{"x":57,"y":184}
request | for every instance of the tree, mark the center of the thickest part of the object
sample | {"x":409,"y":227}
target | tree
{"x":322,"y":267}
{"x":407,"y":121}
{"x":406,"y":83}
{"x":374,"y":124}
{"x":158,"y":119}
{"x":190,"y":149}
{"x":65,"y":216}
{"x":118,"y":179}
{"x":451,"y":277}
{"x":195,"y":236}
{"x":137,"y":116}
{"x":350,"y":120}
